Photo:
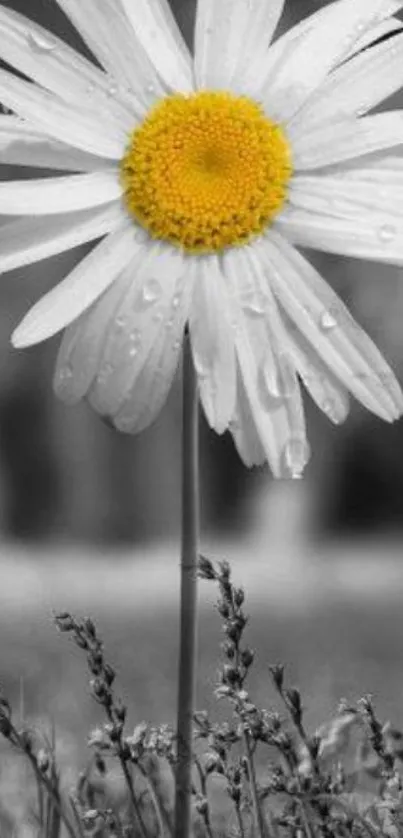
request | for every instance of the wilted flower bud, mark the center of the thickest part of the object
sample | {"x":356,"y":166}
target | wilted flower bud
{"x":206,"y":568}
{"x":277,"y":673}
{"x":239,"y":597}
{"x":247,"y":657}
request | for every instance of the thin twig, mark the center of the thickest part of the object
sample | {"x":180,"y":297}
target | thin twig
{"x":260,"y":823}
{"x":160,"y":811}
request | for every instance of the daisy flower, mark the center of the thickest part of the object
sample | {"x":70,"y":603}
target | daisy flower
{"x":198,"y":176}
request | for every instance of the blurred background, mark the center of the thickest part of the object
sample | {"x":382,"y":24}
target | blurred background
{"x":89,"y":520}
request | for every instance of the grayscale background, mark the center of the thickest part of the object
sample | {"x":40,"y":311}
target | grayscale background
{"x":89,"y":521}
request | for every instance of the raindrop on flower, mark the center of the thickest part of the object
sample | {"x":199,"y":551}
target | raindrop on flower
{"x":201,"y":368}
{"x":42,"y":43}
{"x":176,"y":300}
{"x":335,"y":410}
{"x":387,"y":233}
{"x":65,"y":374}
{"x":296,"y":455}
{"x":327,"y":321}
{"x":113,"y":88}
{"x":120,"y":322}
{"x":104,"y":373}
{"x":254,"y":309}
{"x":152,"y":291}
{"x":135,"y":343}
{"x":280,"y":377}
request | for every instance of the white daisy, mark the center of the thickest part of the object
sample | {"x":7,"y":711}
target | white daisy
{"x":200,"y":174}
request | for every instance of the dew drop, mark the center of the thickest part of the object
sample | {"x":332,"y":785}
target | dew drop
{"x":135,"y":343}
{"x":152,"y":291}
{"x":201,"y":368}
{"x":104,"y":373}
{"x":120,"y":323}
{"x":65,"y":374}
{"x":334,"y":410}
{"x":387,"y":233}
{"x":296,"y":455}
{"x":327,"y":321}
{"x":280,"y":378}
{"x":113,"y":88}
{"x":42,"y":43}
{"x":177,"y":345}
{"x":254,"y":309}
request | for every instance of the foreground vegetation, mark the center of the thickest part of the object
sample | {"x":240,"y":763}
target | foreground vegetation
{"x":257,"y":771}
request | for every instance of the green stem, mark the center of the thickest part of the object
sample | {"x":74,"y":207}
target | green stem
{"x":188,"y":608}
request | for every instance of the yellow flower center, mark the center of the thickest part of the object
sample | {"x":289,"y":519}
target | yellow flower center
{"x":206,"y":171}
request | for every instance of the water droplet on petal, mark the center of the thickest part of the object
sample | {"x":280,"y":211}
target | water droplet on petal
{"x":176,"y":301}
{"x":152,"y":291}
{"x":41,"y":42}
{"x":135,"y":343}
{"x":254,"y":309}
{"x":177,"y":345}
{"x":335,"y":410}
{"x":280,"y":377}
{"x":387,"y":233}
{"x":113,"y":88}
{"x":327,"y":321}
{"x":120,"y":322}
{"x":296,"y":455}
{"x":201,"y":368}
{"x":104,"y":373}
{"x":65,"y":374}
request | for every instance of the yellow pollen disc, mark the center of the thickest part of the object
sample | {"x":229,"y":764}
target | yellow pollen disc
{"x":206,"y":171}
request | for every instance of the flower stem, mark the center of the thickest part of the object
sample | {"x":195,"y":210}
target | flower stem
{"x":188,"y":608}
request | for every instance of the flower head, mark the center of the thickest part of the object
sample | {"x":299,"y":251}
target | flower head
{"x":200,"y":175}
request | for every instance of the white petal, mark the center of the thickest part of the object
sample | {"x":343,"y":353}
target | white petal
{"x":230,"y":35}
{"x":378,"y":240}
{"x":346,"y":140}
{"x":347,"y":197}
{"x":282,"y":50}
{"x":146,"y":309}
{"x":327,"y":324}
{"x":323,"y":46}
{"x":47,"y":196}
{"x":380,"y":30}
{"x":278,"y":416}
{"x":157,"y":31}
{"x":325,"y":389}
{"x":356,"y":87}
{"x":213,"y":343}
{"x":82,"y":342}
{"x":153,"y":383}
{"x":86,"y":282}
{"x":104,"y":27}
{"x":21,"y":145}
{"x":54,"y":65}
{"x":29,"y":240}
{"x":60,"y":120}
{"x":244,"y":431}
